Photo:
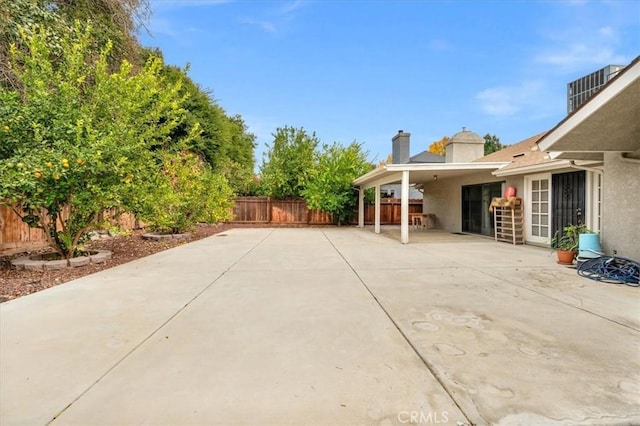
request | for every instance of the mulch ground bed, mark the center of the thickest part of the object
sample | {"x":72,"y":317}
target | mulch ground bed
{"x":15,"y":283}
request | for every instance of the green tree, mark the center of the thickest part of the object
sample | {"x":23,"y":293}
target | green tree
{"x":186,"y":192}
{"x":491,"y":144}
{"x":331,"y":188}
{"x":113,"y":20}
{"x":222,"y":141}
{"x":78,"y":139}
{"x":237,"y":160}
{"x":288,"y":163}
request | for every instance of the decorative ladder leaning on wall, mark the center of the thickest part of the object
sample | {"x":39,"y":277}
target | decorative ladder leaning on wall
{"x":508,"y":220}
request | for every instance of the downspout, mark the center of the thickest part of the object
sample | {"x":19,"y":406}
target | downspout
{"x":624,"y":156}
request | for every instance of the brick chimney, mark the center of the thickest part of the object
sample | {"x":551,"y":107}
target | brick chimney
{"x":400,"y":147}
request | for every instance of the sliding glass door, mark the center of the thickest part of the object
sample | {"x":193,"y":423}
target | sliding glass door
{"x":476,"y":217}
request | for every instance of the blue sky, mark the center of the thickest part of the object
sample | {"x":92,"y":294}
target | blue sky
{"x":362,"y":70}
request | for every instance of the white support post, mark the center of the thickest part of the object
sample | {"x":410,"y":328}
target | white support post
{"x":404,"y":208}
{"x":360,"y":207}
{"x":377,"y":210}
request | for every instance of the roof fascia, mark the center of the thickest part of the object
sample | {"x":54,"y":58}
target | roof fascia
{"x":373,"y":174}
{"x":534,"y":168}
{"x":379,"y":176}
{"x":545,"y":167}
{"x":445,"y":166}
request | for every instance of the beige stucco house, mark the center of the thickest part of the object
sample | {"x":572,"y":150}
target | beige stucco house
{"x":606,"y":129}
{"x":586,"y":169}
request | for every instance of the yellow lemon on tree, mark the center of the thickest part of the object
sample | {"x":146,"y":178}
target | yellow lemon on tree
{"x":65,"y":162}
{"x":38,"y":174}
{"x":48,"y":164}
{"x":56,"y":176}
{"x":80,"y":161}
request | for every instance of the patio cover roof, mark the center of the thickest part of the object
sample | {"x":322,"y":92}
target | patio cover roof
{"x":410,"y":174}
{"x":609,"y":121}
{"x":422,"y":172}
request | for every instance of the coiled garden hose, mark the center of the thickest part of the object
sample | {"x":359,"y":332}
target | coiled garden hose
{"x":611,"y":269}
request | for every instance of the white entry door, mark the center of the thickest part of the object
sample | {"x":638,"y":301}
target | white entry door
{"x":538,"y":208}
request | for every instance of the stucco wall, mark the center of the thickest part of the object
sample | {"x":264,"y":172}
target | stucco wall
{"x":444,"y":197}
{"x":518,"y":183}
{"x":621,"y":207}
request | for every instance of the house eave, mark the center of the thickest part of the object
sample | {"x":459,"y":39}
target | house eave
{"x":534,"y":168}
{"x":392,"y":173}
{"x":606,"y":122}
{"x":445,"y":166}
{"x":548,"y":166}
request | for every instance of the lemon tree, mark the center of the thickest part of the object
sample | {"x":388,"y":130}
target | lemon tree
{"x":76,"y":138}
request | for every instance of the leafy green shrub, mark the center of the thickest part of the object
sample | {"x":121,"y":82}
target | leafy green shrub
{"x":219,"y":198}
{"x":186,"y":192}
{"x":331,"y":189}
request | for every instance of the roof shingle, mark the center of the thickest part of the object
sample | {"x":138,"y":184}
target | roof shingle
{"x":521,"y":154}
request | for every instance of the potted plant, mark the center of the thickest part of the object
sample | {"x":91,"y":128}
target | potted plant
{"x":565,"y":242}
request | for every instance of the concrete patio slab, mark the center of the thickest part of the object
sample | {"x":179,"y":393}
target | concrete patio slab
{"x":57,"y":343}
{"x":293,"y":249}
{"x":288,"y":348}
{"x":325,"y":326}
{"x":516,"y":338}
{"x":505,"y":351}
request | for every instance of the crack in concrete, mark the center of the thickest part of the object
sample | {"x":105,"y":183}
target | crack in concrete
{"x":426,"y":363}
{"x":154,"y":332}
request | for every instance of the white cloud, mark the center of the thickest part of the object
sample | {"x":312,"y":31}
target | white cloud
{"x":293,"y":6}
{"x":507,"y":101}
{"x":606,"y":31}
{"x":266,"y":26}
{"x":162,"y":26}
{"x":589,"y":39}
{"x":162,"y":23}
{"x":279,"y":17}
{"x":580,"y":55}
{"x":498,"y":101}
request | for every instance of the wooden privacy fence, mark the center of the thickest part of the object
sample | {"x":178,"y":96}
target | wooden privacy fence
{"x":390,"y":209}
{"x":17,"y":236}
{"x":295,"y":211}
{"x":268,"y":210}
